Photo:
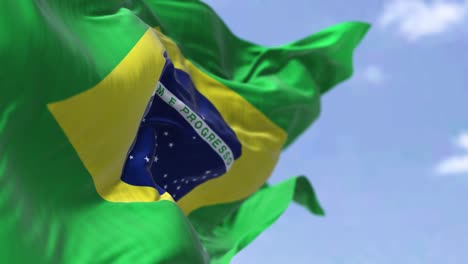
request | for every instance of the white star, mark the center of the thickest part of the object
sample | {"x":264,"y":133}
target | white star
{"x":144,"y":119}
{"x":147,"y":159}
{"x":171,"y":145}
{"x":131,"y":157}
{"x":156,"y":159}
{"x":203,"y":117}
{"x":165,"y":133}
{"x":165,"y":176}
{"x":173,"y":196}
{"x":194,"y":179}
{"x":165,"y":186}
{"x":175,"y":181}
{"x":216,"y":174}
{"x":204,"y":177}
{"x":194,"y":137}
{"x":178,"y":187}
{"x":207,"y":172}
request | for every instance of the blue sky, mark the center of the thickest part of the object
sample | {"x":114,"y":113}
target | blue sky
{"x":389,"y":154}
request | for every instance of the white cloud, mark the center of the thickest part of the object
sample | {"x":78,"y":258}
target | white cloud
{"x":462,"y":141}
{"x":456,"y":164}
{"x":419,"y":18}
{"x":373,"y":74}
{"x":453,"y":165}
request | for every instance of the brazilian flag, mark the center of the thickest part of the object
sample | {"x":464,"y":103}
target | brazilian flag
{"x":144,"y":131}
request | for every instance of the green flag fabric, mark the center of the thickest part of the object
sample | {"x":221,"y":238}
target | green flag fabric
{"x":144,"y":131}
{"x":243,"y":221}
{"x":292,"y":76}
